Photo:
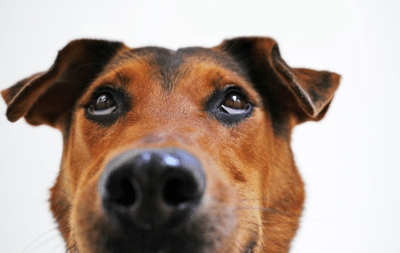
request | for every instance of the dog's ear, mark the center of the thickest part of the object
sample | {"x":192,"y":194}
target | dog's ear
{"x":48,"y":97}
{"x":304,"y":93}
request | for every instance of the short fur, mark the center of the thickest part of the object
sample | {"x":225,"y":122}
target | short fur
{"x":170,"y":99}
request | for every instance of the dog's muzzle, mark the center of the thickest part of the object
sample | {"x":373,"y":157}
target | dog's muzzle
{"x":151,"y":189}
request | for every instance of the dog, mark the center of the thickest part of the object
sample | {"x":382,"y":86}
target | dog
{"x":184,"y":151}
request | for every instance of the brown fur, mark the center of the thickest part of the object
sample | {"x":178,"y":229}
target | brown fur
{"x":254,"y":195}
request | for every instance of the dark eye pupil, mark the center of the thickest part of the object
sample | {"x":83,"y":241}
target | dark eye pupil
{"x":235,"y":101}
{"x":103,"y":102}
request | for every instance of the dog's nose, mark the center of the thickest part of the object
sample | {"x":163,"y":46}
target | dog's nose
{"x":152,"y":188}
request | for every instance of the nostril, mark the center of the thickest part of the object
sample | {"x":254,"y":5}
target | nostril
{"x":127,"y":197}
{"x":121,"y":190}
{"x":173,"y":194}
{"x":179,"y":190}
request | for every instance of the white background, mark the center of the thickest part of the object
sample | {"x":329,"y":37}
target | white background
{"x":350,"y":161}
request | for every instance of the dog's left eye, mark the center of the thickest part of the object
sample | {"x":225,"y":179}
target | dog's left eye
{"x":234,"y":103}
{"x":229,"y":106}
{"x":103,"y":104}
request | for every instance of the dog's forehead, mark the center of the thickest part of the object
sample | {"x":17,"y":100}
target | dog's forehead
{"x":169,"y":65}
{"x":163,"y":57}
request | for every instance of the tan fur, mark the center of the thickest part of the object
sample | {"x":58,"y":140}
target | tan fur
{"x":254,"y":196}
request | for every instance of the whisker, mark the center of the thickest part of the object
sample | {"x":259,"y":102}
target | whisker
{"x":31,"y":248}
{"x":269,"y":200}
{"x":281,"y":223}
{"x":41,"y":168}
{"x":267,"y":210}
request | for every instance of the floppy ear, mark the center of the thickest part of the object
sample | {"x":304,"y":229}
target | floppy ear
{"x":48,"y":97}
{"x":304,"y":93}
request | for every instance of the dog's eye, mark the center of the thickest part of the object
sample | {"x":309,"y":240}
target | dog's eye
{"x":107,"y":105}
{"x":103,"y":104}
{"x":229,"y":106}
{"x":234,"y":103}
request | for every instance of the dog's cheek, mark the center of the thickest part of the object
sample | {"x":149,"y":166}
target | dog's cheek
{"x":82,"y":163}
{"x":250,"y":165}
{"x":60,"y":205}
{"x":87,"y":219}
{"x":218,"y":217}
{"x":77,"y":151}
{"x":87,"y":144}
{"x":227,"y":227}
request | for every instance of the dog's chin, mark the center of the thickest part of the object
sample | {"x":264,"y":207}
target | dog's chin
{"x":163,"y":251}
{"x":249,"y":249}
{"x":178,"y":249}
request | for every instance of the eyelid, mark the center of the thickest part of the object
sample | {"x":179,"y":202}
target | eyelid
{"x":232,"y":88}
{"x":96,"y":93}
{"x":102,"y":90}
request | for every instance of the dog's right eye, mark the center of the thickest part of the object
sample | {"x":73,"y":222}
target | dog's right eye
{"x":103,"y":104}
{"x":107,"y":105}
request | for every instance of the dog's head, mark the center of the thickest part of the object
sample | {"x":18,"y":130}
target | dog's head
{"x":175,"y":151}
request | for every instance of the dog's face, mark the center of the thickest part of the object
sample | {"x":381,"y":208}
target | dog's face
{"x":175,"y":151}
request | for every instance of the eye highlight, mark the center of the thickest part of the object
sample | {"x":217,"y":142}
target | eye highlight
{"x":103,"y":104}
